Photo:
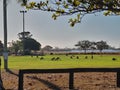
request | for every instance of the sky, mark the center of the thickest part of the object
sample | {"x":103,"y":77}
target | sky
{"x":58,"y":33}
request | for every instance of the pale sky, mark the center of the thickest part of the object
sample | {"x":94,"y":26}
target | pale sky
{"x":58,"y":33}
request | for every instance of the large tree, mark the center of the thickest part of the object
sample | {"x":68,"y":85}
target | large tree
{"x":28,"y":43}
{"x":31,"y":44}
{"x":15,"y":47}
{"x":84,"y":44}
{"x":75,"y":7}
{"x":102,"y":45}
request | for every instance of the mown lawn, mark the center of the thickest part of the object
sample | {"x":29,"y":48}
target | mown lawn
{"x":28,"y":62}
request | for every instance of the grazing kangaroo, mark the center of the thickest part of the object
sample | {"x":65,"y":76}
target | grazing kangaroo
{"x":86,"y":57}
{"x":41,"y":58}
{"x":114,"y":59}
{"x":53,"y":58}
{"x":77,"y":57}
{"x":58,"y":58}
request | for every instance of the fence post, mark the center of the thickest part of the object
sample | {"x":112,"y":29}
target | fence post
{"x":118,"y":78}
{"x":71,"y":80}
{"x":20,"y":80}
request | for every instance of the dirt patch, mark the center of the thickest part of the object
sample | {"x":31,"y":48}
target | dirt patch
{"x":82,"y":81}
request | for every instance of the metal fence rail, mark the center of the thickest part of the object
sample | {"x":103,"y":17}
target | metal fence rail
{"x":70,"y":71}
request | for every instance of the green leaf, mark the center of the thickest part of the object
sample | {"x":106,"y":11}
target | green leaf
{"x":76,"y":3}
{"x":69,"y":1}
{"x":54,"y":16}
{"x":107,"y":13}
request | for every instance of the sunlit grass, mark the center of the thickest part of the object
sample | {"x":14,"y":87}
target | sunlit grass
{"x":28,"y":62}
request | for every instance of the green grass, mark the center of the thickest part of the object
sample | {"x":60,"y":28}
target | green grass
{"x":28,"y":62}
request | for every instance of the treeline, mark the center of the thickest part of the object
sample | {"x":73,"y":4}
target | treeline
{"x":83,"y":46}
{"x":16,"y":47}
{"x":92,"y":45}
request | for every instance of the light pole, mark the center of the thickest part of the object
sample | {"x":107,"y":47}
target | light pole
{"x":5,"y":53}
{"x":23,"y":33}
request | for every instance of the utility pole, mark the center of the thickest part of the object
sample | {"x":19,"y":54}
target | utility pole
{"x":23,"y":33}
{"x":5,"y":53}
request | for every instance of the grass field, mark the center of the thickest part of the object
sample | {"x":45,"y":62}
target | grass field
{"x":28,"y":62}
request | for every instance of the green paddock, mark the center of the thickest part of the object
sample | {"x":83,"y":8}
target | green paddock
{"x":63,"y":61}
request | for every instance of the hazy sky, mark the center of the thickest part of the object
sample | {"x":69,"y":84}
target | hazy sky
{"x":59,"y":33}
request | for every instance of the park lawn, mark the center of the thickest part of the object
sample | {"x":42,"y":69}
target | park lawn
{"x":28,"y":62}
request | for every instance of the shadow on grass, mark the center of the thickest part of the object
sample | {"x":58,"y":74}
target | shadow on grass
{"x":47,"y":83}
{"x":11,"y":72}
{"x":1,"y":85}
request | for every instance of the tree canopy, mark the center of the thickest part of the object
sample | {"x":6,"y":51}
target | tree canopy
{"x":25,"y":35}
{"x":102,"y":45}
{"x":48,"y":48}
{"x":15,"y":47}
{"x":75,"y":7}
{"x":31,"y":44}
{"x":84,"y":44}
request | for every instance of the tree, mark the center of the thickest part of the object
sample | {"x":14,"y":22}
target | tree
{"x":84,"y":44}
{"x":75,"y":7}
{"x":15,"y":47}
{"x":31,"y":44}
{"x":24,"y":35}
{"x":28,"y":43}
{"x":48,"y":48}
{"x":93,"y":46}
{"x":102,"y":45}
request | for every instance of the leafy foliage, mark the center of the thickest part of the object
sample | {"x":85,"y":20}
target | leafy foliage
{"x":28,"y":42}
{"x":102,"y":45}
{"x":15,"y":47}
{"x":75,"y":7}
{"x":23,"y":35}
{"x":84,"y":44}
{"x":31,"y":44}
{"x":47,"y":48}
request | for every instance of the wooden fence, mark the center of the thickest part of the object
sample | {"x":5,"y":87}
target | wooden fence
{"x":70,"y":71}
